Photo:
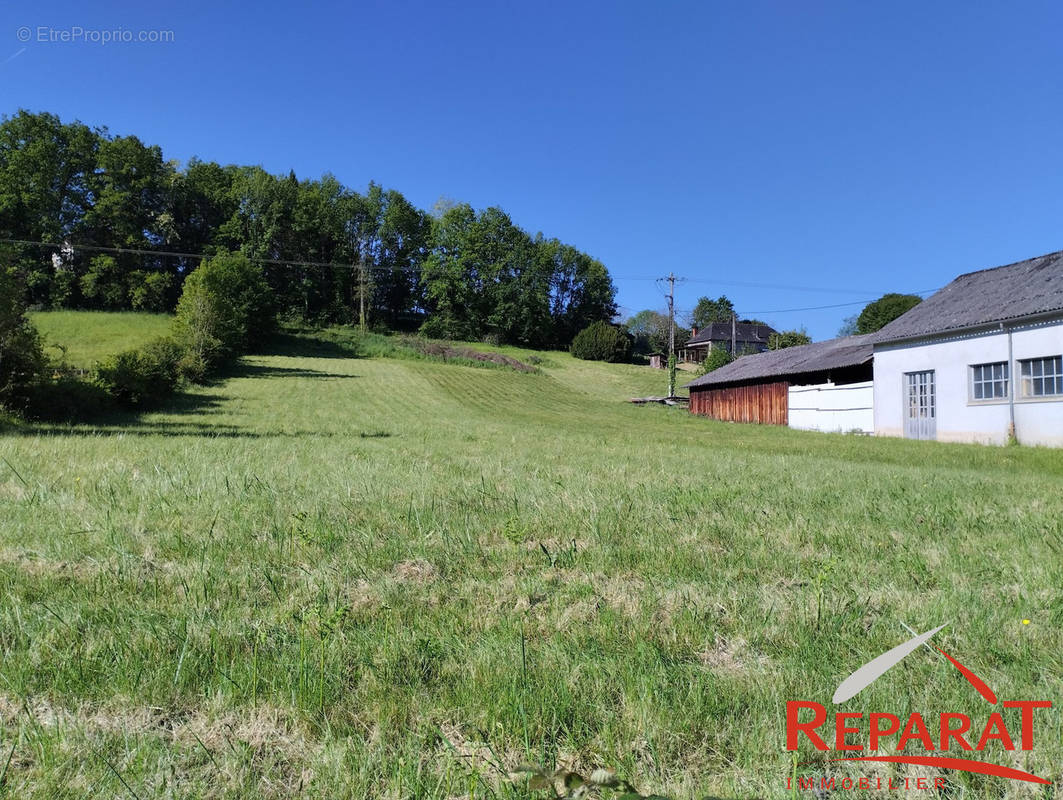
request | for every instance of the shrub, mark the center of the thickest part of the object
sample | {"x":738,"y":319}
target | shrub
{"x":63,"y":397}
{"x":716,"y":358}
{"x":224,"y":310}
{"x":601,"y":341}
{"x":22,"y":361}
{"x":193,"y":367}
{"x":141,"y":376}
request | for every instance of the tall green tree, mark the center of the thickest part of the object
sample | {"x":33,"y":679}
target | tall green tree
{"x":708,"y":311}
{"x":582,"y":291}
{"x":650,"y":329}
{"x":201,"y":202}
{"x":47,"y":171}
{"x":883,"y":311}
{"x":130,"y":199}
{"x":452,"y":277}
{"x":326,"y":251}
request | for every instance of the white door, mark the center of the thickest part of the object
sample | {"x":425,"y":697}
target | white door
{"x":920,"y":408}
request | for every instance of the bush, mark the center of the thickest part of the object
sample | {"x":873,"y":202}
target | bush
{"x":224,"y":310}
{"x":22,"y":361}
{"x":717,"y":357}
{"x":193,"y":367}
{"x":141,"y":376}
{"x":66,"y":398}
{"x":601,"y":341}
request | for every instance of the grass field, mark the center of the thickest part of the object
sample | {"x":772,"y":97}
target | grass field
{"x":376,"y":577}
{"x":91,"y":336}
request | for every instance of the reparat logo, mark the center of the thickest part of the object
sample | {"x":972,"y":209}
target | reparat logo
{"x":952,"y":732}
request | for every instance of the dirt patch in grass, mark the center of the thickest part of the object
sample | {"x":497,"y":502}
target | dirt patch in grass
{"x":416,"y":570}
{"x":454,"y":352}
{"x":262,"y":727}
{"x":281,"y":750}
{"x":731,"y":657}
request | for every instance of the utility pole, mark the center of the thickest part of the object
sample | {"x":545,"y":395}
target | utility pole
{"x":733,"y":337}
{"x":671,"y":334}
{"x":671,"y":329}
{"x":361,"y":292}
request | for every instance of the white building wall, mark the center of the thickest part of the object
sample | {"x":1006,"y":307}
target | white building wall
{"x":960,"y":419}
{"x":829,"y":407}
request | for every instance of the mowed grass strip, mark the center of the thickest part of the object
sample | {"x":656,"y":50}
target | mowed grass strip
{"x":377,"y":577}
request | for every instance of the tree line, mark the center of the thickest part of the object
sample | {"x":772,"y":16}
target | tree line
{"x":112,"y":206}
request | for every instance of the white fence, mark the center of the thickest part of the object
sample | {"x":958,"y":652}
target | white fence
{"x":829,"y":407}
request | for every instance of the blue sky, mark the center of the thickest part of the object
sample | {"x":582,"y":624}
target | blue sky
{"x":841,"y":149}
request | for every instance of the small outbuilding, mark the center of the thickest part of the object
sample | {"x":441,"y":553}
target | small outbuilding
{"x":820,"y":386}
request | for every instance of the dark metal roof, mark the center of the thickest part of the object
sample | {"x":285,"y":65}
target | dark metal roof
{"x":848,"y":351}
{"x":745,"y":332}
{"x":1023,"y":289}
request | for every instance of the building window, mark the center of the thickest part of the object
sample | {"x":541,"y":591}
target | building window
{"x":989,"y":381}
{"x":1041,"y":377}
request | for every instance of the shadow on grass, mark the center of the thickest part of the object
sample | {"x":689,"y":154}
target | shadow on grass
{"x":302,"y":345}
{"x":131,"y":423}
{"x":187,"y":429}
{"x":75,"y":406}
{"x":245,"y":370}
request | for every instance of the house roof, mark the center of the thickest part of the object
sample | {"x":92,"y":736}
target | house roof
{"x":848,"y":351}
{"x":1023,"y":289}
{"x":745,"y":332}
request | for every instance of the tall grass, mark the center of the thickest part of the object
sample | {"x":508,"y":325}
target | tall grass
{"x":388,"y":577}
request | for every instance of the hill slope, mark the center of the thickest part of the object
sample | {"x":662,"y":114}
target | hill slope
{"x":381,"y":577}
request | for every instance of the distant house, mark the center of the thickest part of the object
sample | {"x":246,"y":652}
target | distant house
{"x":820,"y":386}
{"x":978,"y":360}
{"x":748,"y":337}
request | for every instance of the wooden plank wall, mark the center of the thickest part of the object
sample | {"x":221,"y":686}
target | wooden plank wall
{"x":765,"y":402}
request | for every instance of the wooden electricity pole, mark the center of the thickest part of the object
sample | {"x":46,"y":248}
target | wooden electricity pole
{"x":671,"y":279}
{"x":671,"y":334}
{"x":361,"y":293}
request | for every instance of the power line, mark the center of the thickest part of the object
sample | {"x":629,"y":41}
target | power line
{"x":819,"y":308}
{"x":415,"y":270}
{"x":138,"y":251}
{"x":757,"y":285}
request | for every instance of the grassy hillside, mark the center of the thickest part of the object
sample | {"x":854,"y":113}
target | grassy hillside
{"x":91,"y":336}
{"x":382,"y":577}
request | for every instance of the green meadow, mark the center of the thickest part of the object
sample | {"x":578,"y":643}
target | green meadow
{"x":82,"y":338}
{"x":338,"y":572}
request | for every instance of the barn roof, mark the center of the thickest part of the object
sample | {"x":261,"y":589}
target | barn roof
{"x":1023,"y":289}
{"x":848,"y":351}
{"x":745,"y":332}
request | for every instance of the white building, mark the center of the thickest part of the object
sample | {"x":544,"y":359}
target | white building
{"x":977,"y":361}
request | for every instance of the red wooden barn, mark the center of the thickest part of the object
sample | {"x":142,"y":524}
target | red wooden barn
{"x":755,"y":388}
